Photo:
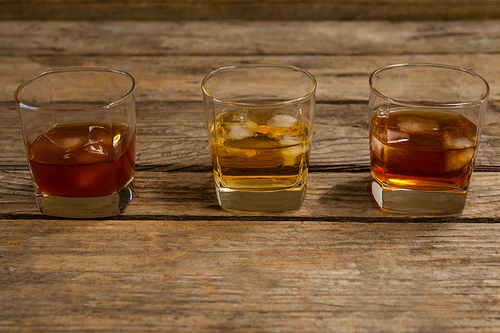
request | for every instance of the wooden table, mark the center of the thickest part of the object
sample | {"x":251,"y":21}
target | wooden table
{"x":175,"y":262}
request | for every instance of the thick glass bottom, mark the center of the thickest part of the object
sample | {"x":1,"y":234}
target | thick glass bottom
{"x":406,"y":201}
{"x":85,"y":207}
{"x":260,"y":201}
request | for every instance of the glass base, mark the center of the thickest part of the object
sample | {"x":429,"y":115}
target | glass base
{"x":259,"y":201}
{"x":85,"y":207}
{"x":418,"y":202}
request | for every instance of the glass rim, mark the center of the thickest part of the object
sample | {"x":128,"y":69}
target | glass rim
{"x":69,"y":70}
{"x":245,"y":66}
{"x":434,"y":65}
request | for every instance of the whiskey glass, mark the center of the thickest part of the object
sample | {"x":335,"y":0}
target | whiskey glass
{"x":425,"y":127}
{"x":259,"y":121}
{"x":79,"y":128}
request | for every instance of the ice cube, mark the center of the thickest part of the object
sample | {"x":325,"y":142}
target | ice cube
{"x":457,"y":159}
{"x":282,"y":120}
{"x":288,"y":140}
{"x":95,"y":146}
{"x":239,"y":132}
{"x":100,"y":141}
{"x":279,"y":125}
{"x":239,"y":117}
{"x":413,"y":124}
{"x":97,"y":131}
{"x":377,"y":147}
{"x":290,"y":155}
{"x":394,"y":136}
{"x":236,"y":116}
{"x":463,"y":154}
{"x":461,"y":142}
{"x":251,"y":125}
{"x":294,"y":112}
{"x":223,"y":129}
{"x":382,"y":112}
{"x":67,"y":143}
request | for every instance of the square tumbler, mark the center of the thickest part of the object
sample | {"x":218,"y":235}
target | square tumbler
{"x":79,"y":131}
{"x":425,"y":127}
{"x":259,"y":121}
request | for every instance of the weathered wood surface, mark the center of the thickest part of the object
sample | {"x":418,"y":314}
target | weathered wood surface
{"x":170,"y":59}
{"x":248,"y":276}
{"x":336,"y":196}
{"x":173,"y":261}
{"x":109,"y":38}
{"x":248,"y":10}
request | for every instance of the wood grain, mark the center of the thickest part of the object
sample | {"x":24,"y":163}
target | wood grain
{"x":420,"y":10}
{"x":188,"y":38}
{"x":336,"y":195}
{"x":172,"y":137}
{"x":340,"y":78}
{"x":247,"y":276}
{"x":168,"y":57}
{"x":174,"y":261}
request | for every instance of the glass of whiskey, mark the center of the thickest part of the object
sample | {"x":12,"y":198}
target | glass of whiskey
{"x":259,"y":121}
{"x":79,"y":132}
{"x":425,"y":123}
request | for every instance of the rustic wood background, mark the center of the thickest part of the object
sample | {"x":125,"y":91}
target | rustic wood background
{"x":175,"y":262}
{"x":248,"y":10}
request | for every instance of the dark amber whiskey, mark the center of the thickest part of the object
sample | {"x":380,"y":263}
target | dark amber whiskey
{"x":83,"y":160}
{"x":422,"y":150}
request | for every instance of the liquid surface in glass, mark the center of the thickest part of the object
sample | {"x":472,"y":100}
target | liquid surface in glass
{"x":83,"y":160}
{"x":424,"y":150}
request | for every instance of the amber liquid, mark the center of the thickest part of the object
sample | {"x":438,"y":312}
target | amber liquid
{"x":83,"y":160}
{"x":422,"y":150}
{"x":260,"y":149}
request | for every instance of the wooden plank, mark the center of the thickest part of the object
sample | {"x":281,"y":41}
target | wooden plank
{"x":247,"y":10}
{"x":188,"y":38}
{"x":178,"y":78}
{"x":342,"y":78}
{"x":331,"y":196}
{"x":172,"y":137}
{"x":247,"y":276}
{"x":341,"y":54}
